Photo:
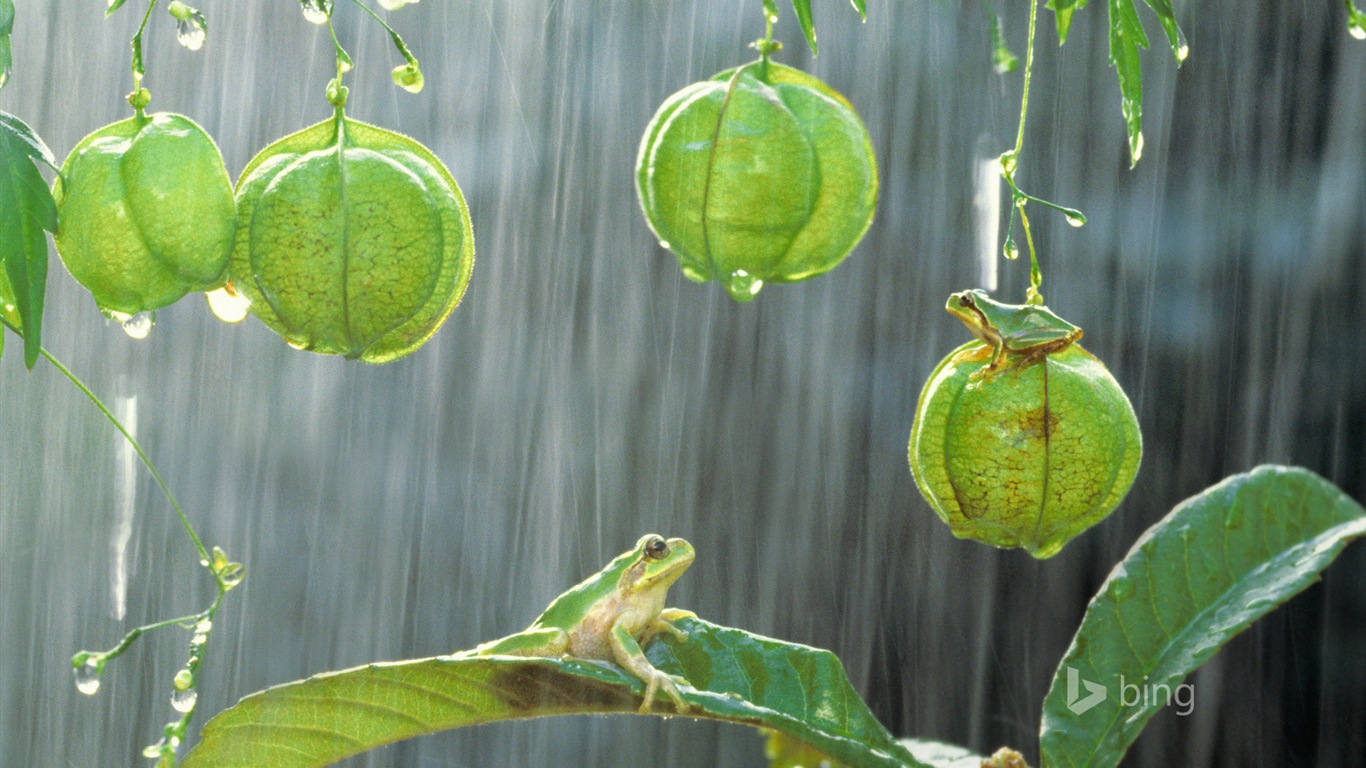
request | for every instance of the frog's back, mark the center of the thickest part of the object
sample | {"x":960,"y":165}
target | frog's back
{"x":567,"y":609}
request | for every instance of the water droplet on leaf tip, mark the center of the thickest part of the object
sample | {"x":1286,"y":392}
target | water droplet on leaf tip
{"x":1011,"y":251}
{"x":1138,"y":147}
{"x":300,"y":345}
{"x":1358,"y":29}
{"x":1076,"y":220}
{"x":1182,"y":52}
{"x":184,"y":701}
{"x":664,"y":244}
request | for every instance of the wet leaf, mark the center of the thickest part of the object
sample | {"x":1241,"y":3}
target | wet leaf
{"x":803,"y":10}
{"x":113,"y":5}
{"x":26,"y":210}
{"x":1062,"y":13}
{"x":735,"y":676}
{"x":1126,"y":37}
{"x":6,"y":27}
{"x":1167,"y":17}
{"x":1216,"y":563}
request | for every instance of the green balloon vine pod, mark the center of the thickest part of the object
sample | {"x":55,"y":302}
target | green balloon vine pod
{"x":145,"y":212}
{"x":761,"y":174}
{"x":352,"y":239}
{"x":144,"y":206}
{"x":1022,"y":438}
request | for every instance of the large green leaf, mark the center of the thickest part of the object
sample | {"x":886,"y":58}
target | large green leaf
{"x":1211,"y":567}
{"x":26,"y":210}
{"x":734,"y":675}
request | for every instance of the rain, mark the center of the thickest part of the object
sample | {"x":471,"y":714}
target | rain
{"x":585,"y":392}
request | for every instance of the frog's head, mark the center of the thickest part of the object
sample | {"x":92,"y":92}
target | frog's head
{"x":971,"y":307}
{"x":657,"y":563}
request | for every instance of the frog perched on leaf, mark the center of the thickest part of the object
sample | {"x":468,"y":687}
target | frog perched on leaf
{"x":1022,"y":334}
{"x":612,"y":615}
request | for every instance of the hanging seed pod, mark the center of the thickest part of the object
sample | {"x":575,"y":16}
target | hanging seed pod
{"x":145,"y":213}
{"x":1027,"y":458}
{"x":352,"y":240}
{"x":761,"y":174}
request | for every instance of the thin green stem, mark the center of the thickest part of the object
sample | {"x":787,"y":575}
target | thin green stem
{"x":1028,"y":68}
{"x":132,"y":441}
{"x":137,"y":98}
{"x":394,"y":36}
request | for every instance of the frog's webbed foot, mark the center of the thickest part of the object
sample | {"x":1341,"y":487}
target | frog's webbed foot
{"x":656,"y":681}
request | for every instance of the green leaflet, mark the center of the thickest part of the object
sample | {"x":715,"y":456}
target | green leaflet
{"x":735,"y":676}
{"x":1126,"y":37}
{"x":26,"y":210}
{"x":1216,"y":563}
{"x":803,"y":10}
{"x":1062,"y":12}
{"x":6,"y":27}
{"x":113,"y":5}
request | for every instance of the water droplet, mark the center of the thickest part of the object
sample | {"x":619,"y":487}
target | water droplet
{"x":88,"y":676}
{"x":1182,"y":52}
{"x":227,"y":304}
{"x":772,"y":18}
{"x":153,"y":751}
{"x":1137,"y":147}
{"x":1011,"y":251}
{"x":184,"y":701}
{"x":1076,"y":219}
{"x":317,"y":11}
{"x":394,"y":5}
{"x":1358,"y":27}
{"x":191,"y":32}
{"x":1121,"y":589}
{"x":409,"y":77}
{"x":664,"y":244}
{"x":301,"y":345}
{"x":743,"y":286}
{"x":140,"y":325}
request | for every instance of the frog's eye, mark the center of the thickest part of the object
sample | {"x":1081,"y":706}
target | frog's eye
{"x":656,"y":548}
{"x":966,"y":300}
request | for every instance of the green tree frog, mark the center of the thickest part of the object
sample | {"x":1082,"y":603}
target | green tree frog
{"x":612,"y":615}
{"x":1022,"y":334}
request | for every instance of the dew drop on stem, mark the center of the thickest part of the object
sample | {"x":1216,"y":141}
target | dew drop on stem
{"x":88,"y":676}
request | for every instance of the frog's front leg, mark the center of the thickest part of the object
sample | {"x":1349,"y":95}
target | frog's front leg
{"x":993,"y":366}
{"x":629,"y":655}
{"x":664,"y":624}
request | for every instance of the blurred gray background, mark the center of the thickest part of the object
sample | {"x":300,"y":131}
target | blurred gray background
{"x":584,"y":392}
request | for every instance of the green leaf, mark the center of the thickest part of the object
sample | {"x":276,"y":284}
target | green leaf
{"x":1062,"y":12}
{"x":114,"y":5}
{"x":1211,"y":567}
{"x":803,"y":10}
{"x":26,"y":210}
{"x":6,"y":27}
{"x":1167,"y":17}
{"x":1126,"y":37}
{"x":862,"y":7}
{"x":734,"y":676}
